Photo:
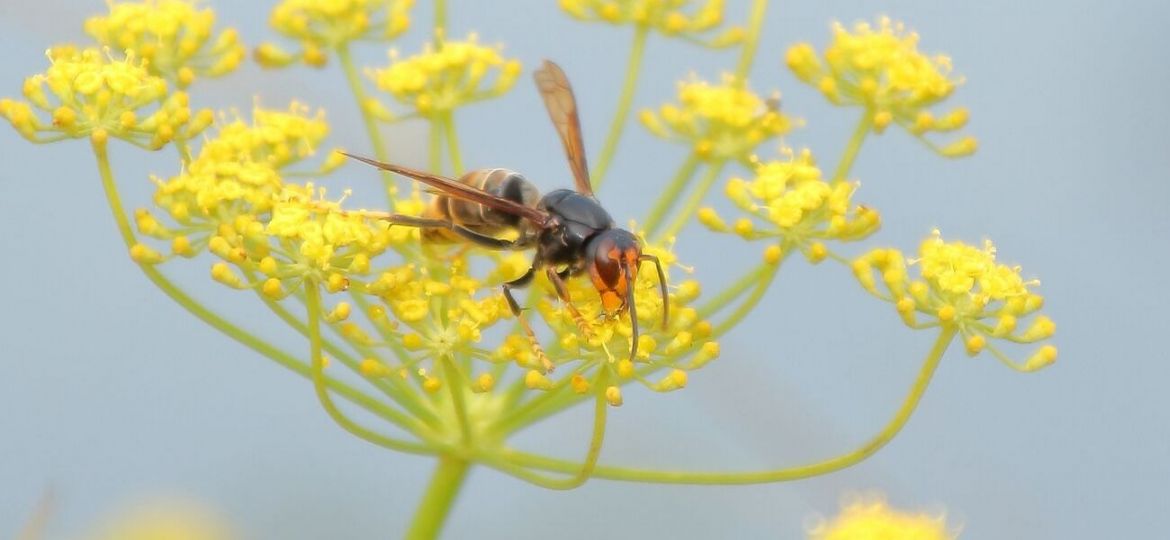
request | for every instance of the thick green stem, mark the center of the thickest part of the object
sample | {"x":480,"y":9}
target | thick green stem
{"x":693,"y":201}
{"x":372,"y":131}
{"x":436,"y":502}
{"x":668,"y":197}
{"x":622,"y":114}
{"x":854,"y":146}
{"x":875,"y":443}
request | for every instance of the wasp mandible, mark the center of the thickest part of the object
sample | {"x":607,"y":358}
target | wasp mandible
{"x":569,"y":229}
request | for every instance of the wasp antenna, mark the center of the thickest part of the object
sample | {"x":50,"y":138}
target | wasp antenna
{"x":661,"y":286}
{"x":633,"y":310}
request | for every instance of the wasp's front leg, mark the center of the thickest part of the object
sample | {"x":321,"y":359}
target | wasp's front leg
{"x":517,"y":283}
{"x":558,"y":281}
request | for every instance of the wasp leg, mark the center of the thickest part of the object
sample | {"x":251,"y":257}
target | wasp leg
{"x":479,"y":239}
{"x":558,"y":281}
{"x":517,"y":283}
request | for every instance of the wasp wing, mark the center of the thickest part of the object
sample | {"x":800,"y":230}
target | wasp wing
{"x":562,"y":110}
{"x":451,"y":188}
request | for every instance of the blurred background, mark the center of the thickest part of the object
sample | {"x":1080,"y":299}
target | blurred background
{"x":112,"y":395}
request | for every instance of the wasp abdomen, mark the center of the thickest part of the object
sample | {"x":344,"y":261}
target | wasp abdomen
{"x":502,"y":183}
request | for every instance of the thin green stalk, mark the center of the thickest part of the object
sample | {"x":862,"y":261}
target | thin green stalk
{"x":245,"y":338}
{"x":436,"y":502}
{"x":456,"y":382}
{"x":748,"y":304}
{"x":622,"y":114}
{"x":518,"y":415}
{"x":453,"y":143}
{"x":585,"y":470}
{"x":435,"y":147}
{"x":392,"y":388}
{"x":317,"y":361}
{"x":747,"y":54}
{"x":909,"y":404}
{"x":668,"y":197}
{"x":854,"y":146}
{"x":693,"y":201}
{"x":372,"y":131}
{"x":726,"y":296}
{"x":440,"y":17}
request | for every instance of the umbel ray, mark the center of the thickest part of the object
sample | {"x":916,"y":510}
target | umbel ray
{"x":571,"y":232}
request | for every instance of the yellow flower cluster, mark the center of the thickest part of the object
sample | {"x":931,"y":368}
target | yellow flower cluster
{"x":89,"y":93}
{"x":684,"y":18}
{"x":174,"y":37}
{"x":875,"y":520}
{"x":236,"y":176}
{"x":790,"y":201}
{"x":881,"y":69}
{"x":719,"y":122}
{"x":438,"y":80}
{"x":329,"y":25}
{"x":685,"y":344}
{"x":963,"y":286}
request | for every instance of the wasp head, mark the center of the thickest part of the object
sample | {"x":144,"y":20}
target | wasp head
{"x":612,"y":259}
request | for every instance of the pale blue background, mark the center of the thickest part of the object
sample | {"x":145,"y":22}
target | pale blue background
{"x":112,"y":394}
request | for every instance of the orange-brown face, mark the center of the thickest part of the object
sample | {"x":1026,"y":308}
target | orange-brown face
{"x":613,"y":265}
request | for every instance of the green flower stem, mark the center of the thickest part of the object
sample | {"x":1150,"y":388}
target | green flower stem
{"x":666,"y":201}
{"x":693,"y":201}
{"x":747,"y":54}
{"x":522,"y":415}
{"x":440,"y":17}
{"x":854,"y":146}
{"x":245,"y":338}
{"x":456,"y":382}
{"x":622,"y":114}
{"x":452,"y":142}
{"x":748,"y":304}
{"x":317,"y":361}
{"x":372,"y":131}
{"x":435,"y":147}
{"x":733,"y":291}
{"x":909,"y":404}
{"x":436,"y":502}
{"x":390,"y":387}
{"x":585,"y":470}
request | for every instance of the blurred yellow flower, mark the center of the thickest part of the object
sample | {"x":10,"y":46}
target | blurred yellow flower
{"x":89,"y":93}
{"x":719,"y":122}
{"x":165,"y":520}
{"x":688,"y":19}
{"x":439,"y":80}
{"x":330,"y":25}
{"x":790,"y":201}
{"x":873,"y":519}
{"x":174,"y":37}
{"x":880,"y":68}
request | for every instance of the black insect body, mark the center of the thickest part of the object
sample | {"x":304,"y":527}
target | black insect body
{"x":569,"y":230}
